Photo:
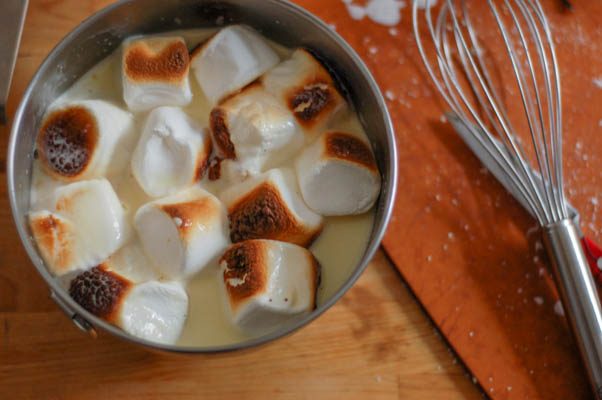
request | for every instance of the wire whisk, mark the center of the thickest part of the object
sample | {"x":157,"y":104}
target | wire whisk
{"x":525,"y":144}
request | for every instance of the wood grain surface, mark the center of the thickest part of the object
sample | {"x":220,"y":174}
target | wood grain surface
{"x":471,"y":254}
{"x":376,"y":343}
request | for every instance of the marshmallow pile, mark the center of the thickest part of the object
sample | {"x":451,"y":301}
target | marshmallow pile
{"x":270,"y":127}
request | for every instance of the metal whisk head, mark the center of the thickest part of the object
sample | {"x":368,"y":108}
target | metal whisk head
{"x":454,"y":54}
{"x":457,"y":61}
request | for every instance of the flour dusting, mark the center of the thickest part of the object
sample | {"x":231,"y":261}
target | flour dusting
{"x":383,"y":12}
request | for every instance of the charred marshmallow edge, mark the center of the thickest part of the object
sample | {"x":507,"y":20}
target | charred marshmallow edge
{"x":155,"y":311}
{"x":171,"y":154}
{"x":307,"y":89}
{"x":253,"y":128}
{"x":155,"y":73}
{"x":267,"y":283}
{"x":230,"y":60}
{"x":86,"y":226}
{"x":183,"y":233}
{"x":269,"y":206}
{"x":338,"y":175}
{"x":79,"y":140}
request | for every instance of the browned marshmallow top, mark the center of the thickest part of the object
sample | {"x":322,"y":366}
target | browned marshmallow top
{"x":54,"y":241}
{"x":314,"y":97}
{"x":100,"y":291}
{"x":309,"y":100}
{"x":203,"y":160}
{"x":349,"y":148}
{"x":263,"y":214}
{"x":67,"y":140}
{"x":246,"y":266}
{"x":221,"y":133}
{"x":156,"y":59}
{"x":185,"y":214}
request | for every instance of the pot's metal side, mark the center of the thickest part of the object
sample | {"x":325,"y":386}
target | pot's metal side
{"x":103,"y":32}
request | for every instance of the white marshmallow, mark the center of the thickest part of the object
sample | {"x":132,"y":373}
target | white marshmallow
{"x":81,"y":140}
{"x":338,"y":175}
{"x":306,"y":88}
{"x":155,"y":73}
{"x":269,"y":206}
{"x":86,"y":226}
{"x":268,"y":283}
{"x":253,"y":128}
{"x":154,"y":311}
{"x":183,"y":233}
{"x":172,"y":152}
{"x":131,"y":262}
{"x":230,"y":60}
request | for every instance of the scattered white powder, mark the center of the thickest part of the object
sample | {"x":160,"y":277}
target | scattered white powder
{"x":519,"y":290}
{"x":600,"y":123}
{"x":383,"y":12}
{"x":429,"y":258}
{"x":390,"y":95}
{"x":450,"y":235}
{"x":393,"y":31}
{"x":558,"y":309}
{"x":373,"y":50}
{"x":178,"y":221}
{"x":443,"y":119}
{"x":536,"y":259}
{"x":474,"y":380}
{"x":594,"y":201}
{"x":332,"y":26}
{"x":598,"y":82}
{"x":509,"y":388}
{"x":471,"y":333}
{"x":356,"y":12}
{"x":542,"y":271}
{"x":538,"y":300}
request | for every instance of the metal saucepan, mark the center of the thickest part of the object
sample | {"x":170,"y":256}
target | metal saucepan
{"x":102,"y":33}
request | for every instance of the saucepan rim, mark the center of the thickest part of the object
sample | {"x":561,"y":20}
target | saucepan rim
{"x":80,"y":315}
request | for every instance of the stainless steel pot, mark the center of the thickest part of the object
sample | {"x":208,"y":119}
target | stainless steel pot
{"x":102,"y":33}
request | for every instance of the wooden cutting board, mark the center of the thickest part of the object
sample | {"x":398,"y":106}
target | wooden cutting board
{"x":471,"y":255}
{"x":376,"y":343}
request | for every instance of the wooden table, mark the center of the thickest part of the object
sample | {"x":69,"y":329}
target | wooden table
{"x":375,"y":343}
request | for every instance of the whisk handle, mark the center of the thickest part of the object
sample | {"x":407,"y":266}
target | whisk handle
{"x":579,"y":295}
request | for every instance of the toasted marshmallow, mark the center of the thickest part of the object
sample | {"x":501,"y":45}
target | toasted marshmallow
{"x":172,"y":152}
{"x":307,"y":90}
{"x":230,"y":60}
{"x":55,"y":237}
{"x":253,"y":128}
{"x":154,"y":311}
{"x":267,"y":283}
{"x":155,"y":73}
{"x":81,"y":140}
{"x":337,"y":175}
{"x":183,"y":233}
{"x":86,"y":226}
{"x":269,"y":206}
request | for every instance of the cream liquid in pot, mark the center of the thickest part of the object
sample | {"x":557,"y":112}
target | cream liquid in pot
{"x":338,"y":249}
